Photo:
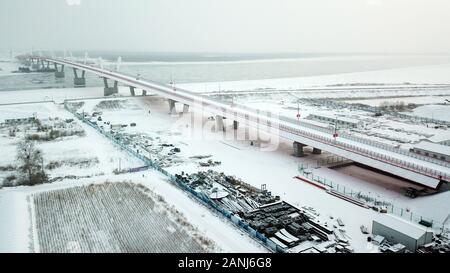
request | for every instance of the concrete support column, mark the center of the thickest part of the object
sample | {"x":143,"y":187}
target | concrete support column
{"x":132,"y":91}
{"x":316,"y":151}
{"x":59,"y":74}
{"x":110,"y":90}
{"x":172,"y":109}
{"x":34,"y":64}
{"x":298,"y":149}
{"x":219,"y":124}
{"x":235,"y":124}
{"x":185,"y":109}
{"x":79,"y":81}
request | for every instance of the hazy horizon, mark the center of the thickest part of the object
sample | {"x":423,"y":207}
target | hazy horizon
{"x":205,"y":26}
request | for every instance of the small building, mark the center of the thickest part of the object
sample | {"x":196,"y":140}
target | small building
{"x":433,"y":150}
{"x":116,"y":126}
{"x":399,"y":231}
{"x":21,"y":120}
{"x":340,"y":121}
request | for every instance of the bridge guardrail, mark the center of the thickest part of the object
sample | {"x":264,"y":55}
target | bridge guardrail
{"x":362,"y":140}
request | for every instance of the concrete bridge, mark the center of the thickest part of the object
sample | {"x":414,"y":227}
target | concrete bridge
{"x":394,"y":161}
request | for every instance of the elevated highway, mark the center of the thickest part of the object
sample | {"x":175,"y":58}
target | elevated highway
{"x":418,"y":169}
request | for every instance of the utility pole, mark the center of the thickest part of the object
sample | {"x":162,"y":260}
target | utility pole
{"x":335,"y":135}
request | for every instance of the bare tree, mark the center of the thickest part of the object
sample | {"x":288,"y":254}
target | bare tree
{"x":31,"y":163}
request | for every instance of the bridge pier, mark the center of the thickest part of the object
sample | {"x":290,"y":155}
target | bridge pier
{"x":132,"y":91}
{"x":110,"y":90}
{"x":59,"y":74}
{"x":298,"y":149}
{"x":79,"y":81}
{"x":35,"y":64}
{"x":185,"y":108}
{"x":316,"y":151}
{"x":219,"y":124}
{"x":235,"y":124}
{"x":172,"y":109}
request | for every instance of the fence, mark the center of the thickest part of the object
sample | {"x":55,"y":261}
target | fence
{"x":333,"y":160}
{"x":203,"y":198}
{"x":369,"y":199}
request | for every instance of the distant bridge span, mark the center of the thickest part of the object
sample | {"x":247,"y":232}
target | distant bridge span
{"x":423,"y":171}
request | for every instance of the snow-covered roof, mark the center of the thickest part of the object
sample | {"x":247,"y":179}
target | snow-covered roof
{"x":317,"y":123}
{"x":433,"y":147}
{"x":378,"y":239}
{"x":440,"y":137}
{"x":410,"y":229}
{"x":344,"y":119}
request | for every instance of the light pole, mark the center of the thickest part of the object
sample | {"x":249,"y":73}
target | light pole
{"x":335,"y":135}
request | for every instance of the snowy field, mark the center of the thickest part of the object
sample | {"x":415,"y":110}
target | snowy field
{"x":428,"y":74}
{"x":18,"y":234}
{"x":57,"y":95}
{"x":91,"y":147}
{"x":441,"y":112}
{"x":110,"y":217}
{"x":406,"y":100}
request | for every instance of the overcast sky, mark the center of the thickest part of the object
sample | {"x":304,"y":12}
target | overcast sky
{"x":406,"y":26}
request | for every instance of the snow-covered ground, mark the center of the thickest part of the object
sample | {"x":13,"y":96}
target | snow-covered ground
{"x":441,"y":112}
{"x":91,"y":146}
{"x":429,"y":74}
{"x":405,"y":100}
{"x":278,"y":177}
{"x":276,"y":169}
{"x":56,"y":94}
{"x":15,"y":228}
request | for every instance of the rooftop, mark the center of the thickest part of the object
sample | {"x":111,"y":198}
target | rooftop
{"x":410,"y":229}
{"x":440,"y":137}
{"x":433,"y":147}
{"x":331,"y":116}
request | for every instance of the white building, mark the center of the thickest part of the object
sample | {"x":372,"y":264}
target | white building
{"x":433,"y":150}
{"x":399,"y":231}
{"x":20,"y":120}
{"x":341,"y":122}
